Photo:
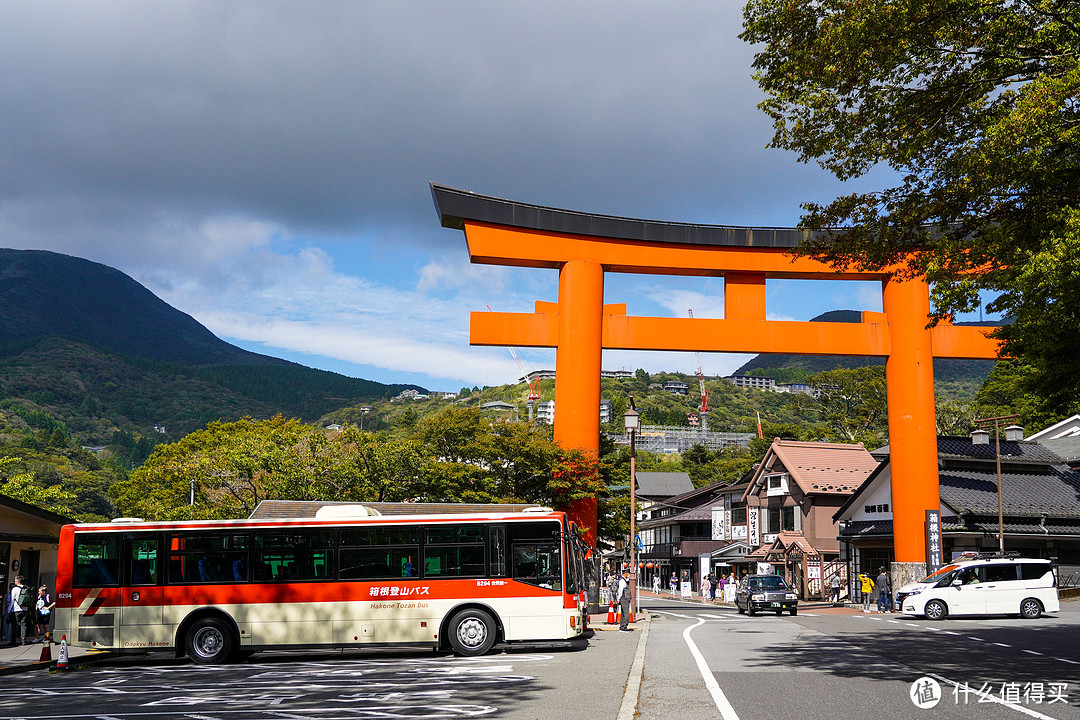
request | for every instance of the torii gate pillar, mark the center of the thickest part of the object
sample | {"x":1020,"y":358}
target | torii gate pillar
{"x":577,"y":359}
{"x":909,"y":380}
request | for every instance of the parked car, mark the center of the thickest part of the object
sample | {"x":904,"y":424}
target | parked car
{"x":764,"y":593}
{"x":984,"y":585}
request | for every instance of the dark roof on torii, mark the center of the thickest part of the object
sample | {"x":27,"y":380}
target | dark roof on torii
{"x":457,"y":206}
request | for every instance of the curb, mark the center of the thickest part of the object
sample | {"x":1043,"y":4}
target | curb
{"x":51,"y":664}
{"x":637,"y":670}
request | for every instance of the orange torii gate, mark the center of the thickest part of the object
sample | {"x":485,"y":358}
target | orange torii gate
{"x":583,"y":246}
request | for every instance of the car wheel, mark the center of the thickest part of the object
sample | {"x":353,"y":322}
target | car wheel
{"x":751,"y":611}
{"x":472,"y":632}
{"x":209,"y":641}
{"x":779,"y":613}
{"x":1030,"y":608}
{"x":936,"y":610}
{"x":741,"y":610}
{"x":793,"y":611}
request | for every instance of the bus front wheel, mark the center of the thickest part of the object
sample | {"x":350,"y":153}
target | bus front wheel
{"x":472,"y":632}
{"x":209,"y":641}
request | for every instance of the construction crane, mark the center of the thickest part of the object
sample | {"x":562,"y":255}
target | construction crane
{"x":703,"y":411}
{"x":534,"y":384}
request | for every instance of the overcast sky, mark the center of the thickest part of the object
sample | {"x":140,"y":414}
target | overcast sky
{"x":264,"y":166}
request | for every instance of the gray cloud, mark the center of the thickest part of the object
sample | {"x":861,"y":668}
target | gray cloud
{"x":202,"y":146}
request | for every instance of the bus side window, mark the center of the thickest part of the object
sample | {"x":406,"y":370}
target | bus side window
{"x":97,"y":560}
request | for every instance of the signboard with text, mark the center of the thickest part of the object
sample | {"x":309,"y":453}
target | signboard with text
{"x":752,"y":527}
{"x":933,"y":540}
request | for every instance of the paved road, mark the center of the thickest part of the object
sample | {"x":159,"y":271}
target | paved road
{"x":521,"y":684}
{"x":712,"y":662}
{"x":701,"y":662}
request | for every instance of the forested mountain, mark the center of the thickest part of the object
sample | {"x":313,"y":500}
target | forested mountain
{"x":85,"y":348}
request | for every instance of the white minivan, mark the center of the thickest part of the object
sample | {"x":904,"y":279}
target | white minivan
{"x":984,"y":586}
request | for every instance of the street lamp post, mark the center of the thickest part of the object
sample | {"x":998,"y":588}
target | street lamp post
{"x":979,"y":423}
{"x":631,"y":418}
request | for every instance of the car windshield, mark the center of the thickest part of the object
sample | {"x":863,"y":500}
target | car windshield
{"x":934,"y":577}
{"x":768,"y":583}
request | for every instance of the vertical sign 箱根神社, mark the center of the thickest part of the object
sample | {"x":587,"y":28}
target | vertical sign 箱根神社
{"x":933,"y":540}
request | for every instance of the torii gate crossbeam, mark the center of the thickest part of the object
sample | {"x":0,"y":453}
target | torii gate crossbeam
{"x":579,"y":326}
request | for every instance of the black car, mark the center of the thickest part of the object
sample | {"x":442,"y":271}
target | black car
{"x":765,"y":593}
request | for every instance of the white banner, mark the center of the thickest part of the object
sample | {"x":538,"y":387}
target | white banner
{"x":719,"y":523}
{"x":752,"y":527}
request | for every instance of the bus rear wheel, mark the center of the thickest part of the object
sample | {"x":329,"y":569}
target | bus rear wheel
{"x":472,"y":632}
{"x":209,"y":641}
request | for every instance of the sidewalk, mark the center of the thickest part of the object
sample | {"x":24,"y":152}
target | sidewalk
{"x":27,"y":657}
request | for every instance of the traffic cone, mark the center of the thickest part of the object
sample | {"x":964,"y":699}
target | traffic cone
{"x":611,"y":620}
{"x":62,"y":659}
{"x":46,"y":649}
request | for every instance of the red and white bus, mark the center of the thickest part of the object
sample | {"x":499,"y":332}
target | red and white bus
{"x":219,"y":590}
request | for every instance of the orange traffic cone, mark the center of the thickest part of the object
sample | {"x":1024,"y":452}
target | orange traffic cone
{"x":62,"y":659}
{"x":611,"y":620}
{"x":46,"y":649}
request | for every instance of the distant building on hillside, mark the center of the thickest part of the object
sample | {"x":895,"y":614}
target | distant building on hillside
{"x":604,"y":375}
{"x":545,"y":411}
{"x":751,"y":381}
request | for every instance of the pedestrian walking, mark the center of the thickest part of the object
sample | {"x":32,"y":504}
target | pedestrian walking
{"x":656,"y":583}
{"x":624,"y":601}
{"x":20,"y":607}
{"x":835,"y":585}
{"x":884,"y":589}
{"x":867,"y":587}
{"x":674,"y":581}
{"x":706,"y":586}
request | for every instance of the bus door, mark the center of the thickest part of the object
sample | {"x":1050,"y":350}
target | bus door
{"x":141,"y":598}
{"x":96,"y":589}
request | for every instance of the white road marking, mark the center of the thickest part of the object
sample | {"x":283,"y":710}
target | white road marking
{"x":972,"y":637}
{"x":1002,"y":645}
{"x":1071,"y":662}
{"x":726,"y":711}
{"x":1032,"y":652}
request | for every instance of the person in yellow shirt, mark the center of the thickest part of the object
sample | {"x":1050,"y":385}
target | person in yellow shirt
{"x":867,"y":587}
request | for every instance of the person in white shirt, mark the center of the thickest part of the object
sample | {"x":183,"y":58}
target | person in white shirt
{"x":21,"y":600}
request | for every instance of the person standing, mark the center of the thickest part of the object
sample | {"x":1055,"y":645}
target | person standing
{"x":43,"y":613}
{"x":835,"y":585}
{"x":656,"y":583}
{"x":20,"y":606}
{"x":705,"y":587}
{"x":613,"y":587}
{"x":8,"y":616}
{"x":674,"y":582}
{"x":624,"y":601}
{"x":884,"y":601}
{"x":867,"y":587}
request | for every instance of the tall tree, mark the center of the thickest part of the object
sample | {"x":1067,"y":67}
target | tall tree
{"x":852,"y":404}
{"x":974,"y":105}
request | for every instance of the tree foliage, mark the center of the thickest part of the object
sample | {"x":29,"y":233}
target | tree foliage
{"x":456,"y":455}
{"x":974,"y":105}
